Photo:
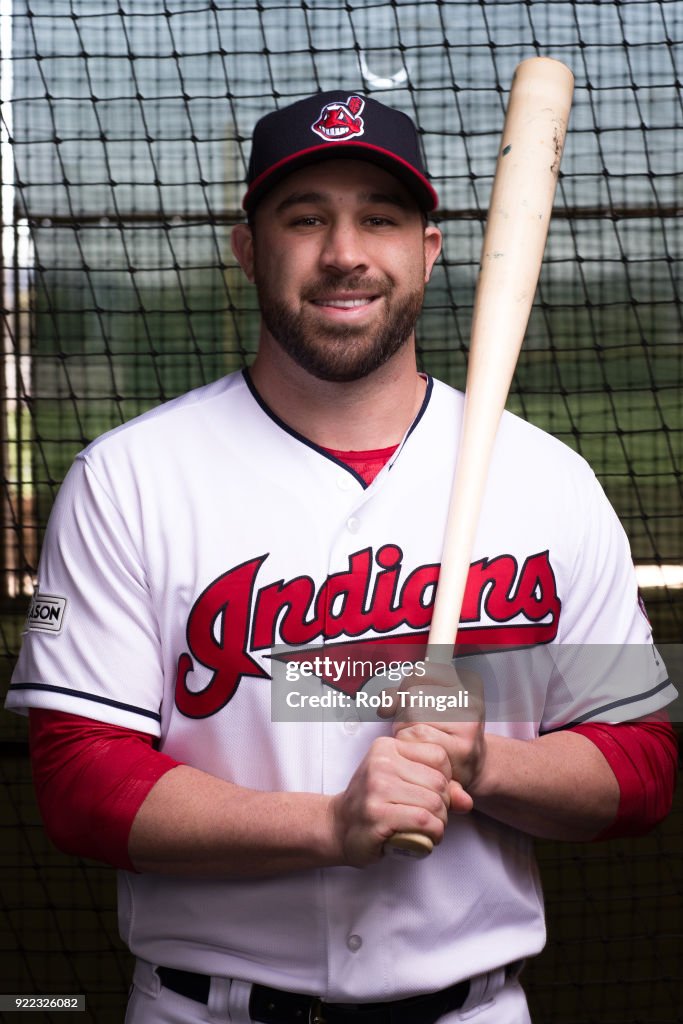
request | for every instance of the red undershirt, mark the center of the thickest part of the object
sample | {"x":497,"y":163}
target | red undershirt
{"x":91,"y":777}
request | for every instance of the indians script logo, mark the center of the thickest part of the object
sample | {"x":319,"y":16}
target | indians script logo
{"x":504,"y":605}
{"x":340,"y":121}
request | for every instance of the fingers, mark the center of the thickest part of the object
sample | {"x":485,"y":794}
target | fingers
{"x":446,"y":708}
{"x":400,"y":786}
{"x":390,"y":710}
{"x":411,"y":778}
{"x":429,"y":754}
{"x":460,"y":800}
{"x":441,"y":694}
{"x":409,"y":783}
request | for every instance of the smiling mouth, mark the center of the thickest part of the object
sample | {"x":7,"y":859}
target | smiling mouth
{"x":335,"y":132}
{"x":345,"y":303}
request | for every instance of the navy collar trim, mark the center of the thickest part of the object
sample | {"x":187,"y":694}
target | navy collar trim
{"x":316,"y":448}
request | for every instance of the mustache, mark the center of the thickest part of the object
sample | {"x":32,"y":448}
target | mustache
{"x":356,"y":282}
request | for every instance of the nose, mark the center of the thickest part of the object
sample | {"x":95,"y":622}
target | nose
{"x":343,"y":250}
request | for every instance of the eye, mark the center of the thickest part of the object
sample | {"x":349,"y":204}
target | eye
{"x":308,"y":220}
{"x":379,"y":221}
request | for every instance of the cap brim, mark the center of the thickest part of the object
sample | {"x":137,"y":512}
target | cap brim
{"x":413,"y":180}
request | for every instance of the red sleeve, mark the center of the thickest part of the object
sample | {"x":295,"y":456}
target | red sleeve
{"x":644,"y":758}
{"x":90,"y":780}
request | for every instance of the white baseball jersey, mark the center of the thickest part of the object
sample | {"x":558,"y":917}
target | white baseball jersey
{"x":184,"y":545}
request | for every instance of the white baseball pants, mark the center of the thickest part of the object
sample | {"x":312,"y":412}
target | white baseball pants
{"x":492,"y":1000}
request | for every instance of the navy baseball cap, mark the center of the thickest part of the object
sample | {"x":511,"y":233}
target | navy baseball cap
{"x":332,"y":125}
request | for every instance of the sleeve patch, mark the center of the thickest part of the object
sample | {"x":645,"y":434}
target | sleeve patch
{"x":46,"y":613}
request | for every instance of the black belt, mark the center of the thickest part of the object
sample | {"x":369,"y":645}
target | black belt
{"x":270,"y":1006}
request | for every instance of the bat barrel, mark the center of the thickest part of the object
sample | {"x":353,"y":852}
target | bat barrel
{"x":517,"y":226}
{"x":516,"y":231}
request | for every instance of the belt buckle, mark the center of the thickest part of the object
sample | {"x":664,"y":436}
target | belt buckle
{"x":315,"y":1014}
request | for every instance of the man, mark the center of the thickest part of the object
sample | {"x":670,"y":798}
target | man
{"x":302,"y":503}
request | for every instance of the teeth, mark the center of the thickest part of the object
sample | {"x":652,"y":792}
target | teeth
{"x":343,"y":303}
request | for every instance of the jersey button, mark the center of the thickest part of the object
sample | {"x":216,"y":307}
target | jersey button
{"x":353,"y":524}
{"x":344,"y":482}
{"x":351,"y":726}
{"x":354,"y":942}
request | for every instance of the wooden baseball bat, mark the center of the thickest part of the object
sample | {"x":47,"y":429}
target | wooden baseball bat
{"x":516,"y":230}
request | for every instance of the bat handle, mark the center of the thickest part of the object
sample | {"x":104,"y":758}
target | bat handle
{"x":415,"y":844}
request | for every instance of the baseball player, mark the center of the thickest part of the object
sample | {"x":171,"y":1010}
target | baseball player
{"x":300,"y":505}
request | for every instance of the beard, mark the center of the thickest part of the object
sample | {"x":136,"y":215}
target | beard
{"x":337,"y":352}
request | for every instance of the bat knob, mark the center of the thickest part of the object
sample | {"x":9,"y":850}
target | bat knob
{"x":410,"y":844}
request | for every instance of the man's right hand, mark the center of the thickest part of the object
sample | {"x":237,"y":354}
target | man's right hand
{"x":400,"y":786}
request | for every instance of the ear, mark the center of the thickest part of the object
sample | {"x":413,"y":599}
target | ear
{"x":432,"y":244}
{"x":242,"y":244}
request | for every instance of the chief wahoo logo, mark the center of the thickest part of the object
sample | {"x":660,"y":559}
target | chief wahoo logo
{"x":340,"y":120}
